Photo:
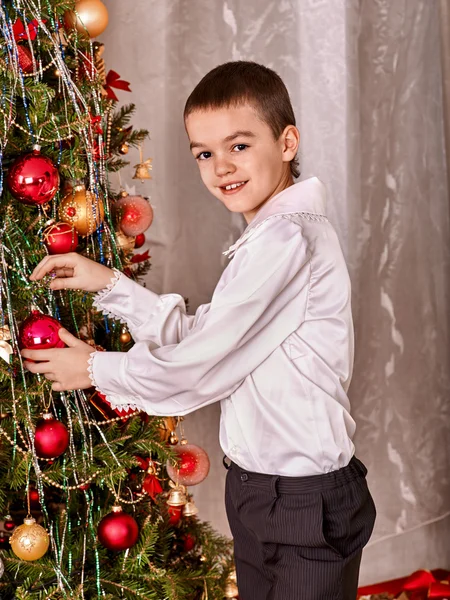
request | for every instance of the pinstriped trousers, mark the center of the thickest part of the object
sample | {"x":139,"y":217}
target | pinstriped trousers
{"x":299,"y":538}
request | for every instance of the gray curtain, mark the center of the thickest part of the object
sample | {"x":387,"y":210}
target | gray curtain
{"x":367,"y":79}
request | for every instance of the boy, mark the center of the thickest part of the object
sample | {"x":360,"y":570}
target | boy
{"x":275,"y":346}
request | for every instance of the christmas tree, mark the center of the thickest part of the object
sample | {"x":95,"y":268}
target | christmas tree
{"x":94,"y":501}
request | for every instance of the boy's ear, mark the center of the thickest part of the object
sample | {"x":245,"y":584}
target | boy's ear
{"x":290,"y":140}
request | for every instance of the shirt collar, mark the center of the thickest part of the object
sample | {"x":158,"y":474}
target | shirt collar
{"x":307,"y":196}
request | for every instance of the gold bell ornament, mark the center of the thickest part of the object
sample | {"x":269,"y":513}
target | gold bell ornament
{"x":143,"y":168}
{"x":231,"y":588}
{"x":125,"y":242}
{"x":177,"y":495}
{"x":189,"y":509}
{"x":82,"y":210}
{"x":29,"y":541}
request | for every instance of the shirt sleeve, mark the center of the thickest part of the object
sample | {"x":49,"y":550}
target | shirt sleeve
{"x":249,"y":317}
{"x":160,"y":320}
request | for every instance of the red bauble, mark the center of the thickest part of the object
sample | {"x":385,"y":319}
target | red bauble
{"x":193,"y":465}
{"x":136,"y":214}
{"x":40,"y":332}
{"x":9,"y":524}
{"x":189,"y":542}
{"x":60,"y":238}
{"x":139,"y":241}
{"x":175,"y":513}
{"x":4,"y":541}
{"x":118,"y":531}
{"x":33,"y":179}
{"x":25,"y":59}
{"x":34,"y":496}
{"x":51,"y":437}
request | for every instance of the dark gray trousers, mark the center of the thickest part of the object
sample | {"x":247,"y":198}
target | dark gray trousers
{"x":299,"y":538}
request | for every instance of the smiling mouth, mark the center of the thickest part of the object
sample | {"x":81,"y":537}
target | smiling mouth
{"x":232,"y":188}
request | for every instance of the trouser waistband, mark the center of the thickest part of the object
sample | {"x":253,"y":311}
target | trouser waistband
{"x":302,"y":485}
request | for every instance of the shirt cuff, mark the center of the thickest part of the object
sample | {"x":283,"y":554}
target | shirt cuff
{"x":123,"y":299}
{"x":104,"y":370}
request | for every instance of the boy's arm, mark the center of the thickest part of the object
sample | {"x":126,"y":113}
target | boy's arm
{"x":160,"y":319}
{"x":247,"y":320}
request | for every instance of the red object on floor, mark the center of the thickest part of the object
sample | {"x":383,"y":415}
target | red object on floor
{"x":420,"y":585}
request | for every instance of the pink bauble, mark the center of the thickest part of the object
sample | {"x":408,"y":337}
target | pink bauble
{"x":33,"y":179}
{"x":193,"y":465}
{"x":60,"y":238}
{"x":118,"y":531}
{"x":135,"y":213}
{"x":51,"y":437}
{"x":40,"y":332}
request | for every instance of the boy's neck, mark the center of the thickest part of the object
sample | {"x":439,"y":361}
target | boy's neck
{"x":283,"y":185}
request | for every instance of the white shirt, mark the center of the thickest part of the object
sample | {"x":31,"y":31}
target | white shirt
{"x":275,"y":345}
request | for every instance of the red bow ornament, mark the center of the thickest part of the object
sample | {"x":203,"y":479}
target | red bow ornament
{"x":113,"y":81}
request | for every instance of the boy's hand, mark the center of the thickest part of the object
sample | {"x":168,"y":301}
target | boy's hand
{"x":66,"y":367}
{"x":73,"y":272}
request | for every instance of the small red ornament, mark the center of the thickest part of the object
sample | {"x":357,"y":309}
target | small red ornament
{"x":188,"y":542}
{"x":118,"y":531}
{"x":34,"y":497}
{"x":51,"y":437}
{"x":139,"y":241}
{"x":152,"y":486}
{"x":9,"y":523}
{"x":136,"y":214}
{"x":40,"y":332}
{"x":25,"y":59}
{"x":84,"y":487}
{"x":4,"y":541}
{"x":193,"y":465}
{"x":60,"y":238}
{"x":33,"y":178}
{"x":175,"y":513}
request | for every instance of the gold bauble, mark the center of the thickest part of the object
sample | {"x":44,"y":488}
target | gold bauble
{"x":125,"y":337}
{"x":168,"y":424}
{"x":125,"y":242}
{"x":173,"y":439}
{"x":124,"y":148}
{"x":91,"y":17}
{"x":29,"y":541}
{"x":82,"y":210}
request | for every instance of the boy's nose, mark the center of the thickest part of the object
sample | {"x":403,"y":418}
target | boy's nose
{"x":223,"y":167}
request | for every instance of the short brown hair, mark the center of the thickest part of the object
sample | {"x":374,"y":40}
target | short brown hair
{"x":235,"y":83}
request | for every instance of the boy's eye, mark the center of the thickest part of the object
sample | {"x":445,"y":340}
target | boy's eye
{"x":240,"y":147}
{"x":204,"y":155}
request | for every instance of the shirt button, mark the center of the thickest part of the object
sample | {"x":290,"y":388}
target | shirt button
{"x":244,"y":477}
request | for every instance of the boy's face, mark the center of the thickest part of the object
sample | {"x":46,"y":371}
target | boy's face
{"x":240,"y":162}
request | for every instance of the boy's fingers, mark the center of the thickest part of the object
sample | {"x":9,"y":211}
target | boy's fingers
{"x":69,"y":339}
{"x":41,"y":367}
{"x":50,"y":263}
{"x":37,"y":354}
{"x":61,"y":283}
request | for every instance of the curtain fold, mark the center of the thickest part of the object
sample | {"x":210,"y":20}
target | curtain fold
{"x":370,"y":83}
